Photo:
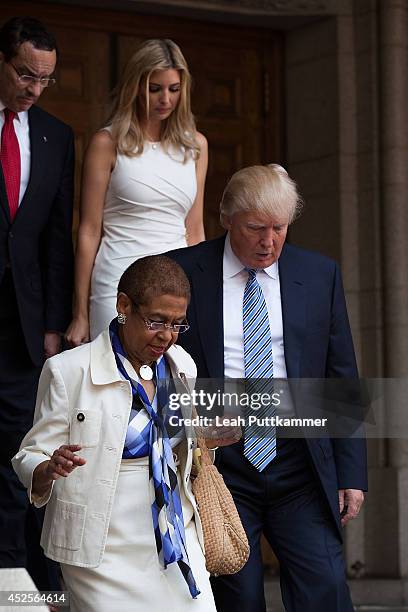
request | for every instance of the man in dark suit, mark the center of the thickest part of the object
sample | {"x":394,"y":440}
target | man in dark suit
{"x":36,"y":196}
{"x":257,"y":300}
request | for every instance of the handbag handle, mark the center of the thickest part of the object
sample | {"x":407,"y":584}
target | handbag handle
{"x":205,"y":457}
{"x":202,"y":453}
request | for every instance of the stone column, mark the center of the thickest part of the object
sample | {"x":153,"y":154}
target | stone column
{"x":393,"y":54}
{"x":394,"y":184}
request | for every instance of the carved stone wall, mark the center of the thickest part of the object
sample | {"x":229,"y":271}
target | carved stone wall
{"x":284,"y":13}
{"x":347,"y":145}
{"x":281,"y":7}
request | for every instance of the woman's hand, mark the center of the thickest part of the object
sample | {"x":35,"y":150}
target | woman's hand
{"x":78,"y":332}
{"x":61,"y":464}
{"x":64,"y":461}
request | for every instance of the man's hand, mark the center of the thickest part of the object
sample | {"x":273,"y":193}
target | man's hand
{"x":52,"y":344}
{"x":223,"y":434}
{"x":350,"y":502}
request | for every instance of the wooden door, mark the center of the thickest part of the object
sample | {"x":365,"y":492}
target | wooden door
{"x":235,"y":98}
{"x":236,"y":73}
{"x":83,"y":83}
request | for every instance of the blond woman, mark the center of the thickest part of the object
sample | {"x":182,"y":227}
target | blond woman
{"x":143,"y":182}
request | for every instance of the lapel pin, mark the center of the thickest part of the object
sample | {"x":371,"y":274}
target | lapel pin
{"x":45,"y":139}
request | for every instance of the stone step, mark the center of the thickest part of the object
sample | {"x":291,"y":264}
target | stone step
{"x":379,"y":609}
{"x":369,"y":595}
{"x":277,"y":607}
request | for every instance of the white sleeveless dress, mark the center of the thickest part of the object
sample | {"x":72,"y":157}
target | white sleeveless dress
{"x":146,"y":204}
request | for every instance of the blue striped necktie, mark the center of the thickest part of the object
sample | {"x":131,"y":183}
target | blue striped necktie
{"x":259,"y":441}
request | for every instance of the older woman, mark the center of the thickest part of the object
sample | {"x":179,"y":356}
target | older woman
{"x":121,"y":517}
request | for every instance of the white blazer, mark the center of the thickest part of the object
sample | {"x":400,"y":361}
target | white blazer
{"x":85,"y":381}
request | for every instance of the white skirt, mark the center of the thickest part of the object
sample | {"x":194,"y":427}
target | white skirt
{"x":130,"y":578}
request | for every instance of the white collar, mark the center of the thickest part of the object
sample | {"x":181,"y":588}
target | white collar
{"x":22,"y":117}
{"x":233,"y":266}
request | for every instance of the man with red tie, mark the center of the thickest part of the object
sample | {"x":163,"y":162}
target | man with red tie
{"x":36,"y":194}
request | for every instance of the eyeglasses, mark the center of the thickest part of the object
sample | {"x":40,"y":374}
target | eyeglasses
{"x":175,"y":328}
{"x":27,"y":79}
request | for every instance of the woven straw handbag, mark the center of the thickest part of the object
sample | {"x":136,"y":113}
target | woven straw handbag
{"x":225,"y":541}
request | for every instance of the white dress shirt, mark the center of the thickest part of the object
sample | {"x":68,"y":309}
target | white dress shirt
{"x":22,"y":131}
{"x":234,"y":280}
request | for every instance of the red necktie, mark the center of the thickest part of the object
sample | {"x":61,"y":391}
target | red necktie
{"x":10,"y":161}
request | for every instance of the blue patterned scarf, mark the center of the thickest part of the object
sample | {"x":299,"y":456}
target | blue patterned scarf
{"x":151,"y":435}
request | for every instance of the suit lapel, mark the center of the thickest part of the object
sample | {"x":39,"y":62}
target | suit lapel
{"x":4,"y":205}
{"x":207,"y":287}
{"x":293,"y":298}
{"x":39,"y":154}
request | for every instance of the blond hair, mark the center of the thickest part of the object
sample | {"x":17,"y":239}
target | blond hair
{"x":126,"y":111}
{"x":264,"y":189}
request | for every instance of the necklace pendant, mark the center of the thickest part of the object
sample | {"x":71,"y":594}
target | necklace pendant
{"x":146,"y":372}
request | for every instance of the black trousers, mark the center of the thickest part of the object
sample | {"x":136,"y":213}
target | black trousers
{"x":20,"y":523}
{"x":285,"y":504}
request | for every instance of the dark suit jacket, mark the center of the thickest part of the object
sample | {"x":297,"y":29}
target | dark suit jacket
{"x":317,"y":341}
{"x":38,"y":244}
